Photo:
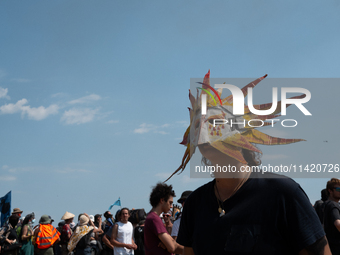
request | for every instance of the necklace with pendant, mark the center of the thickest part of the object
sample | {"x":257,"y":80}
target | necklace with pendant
{"x":221,"y":210}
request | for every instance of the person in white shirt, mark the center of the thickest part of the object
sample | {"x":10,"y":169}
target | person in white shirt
{"x":122,"y":233}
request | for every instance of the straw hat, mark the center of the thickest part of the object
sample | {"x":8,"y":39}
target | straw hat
{"x":67,"y":216}
{"x":83,"y":220}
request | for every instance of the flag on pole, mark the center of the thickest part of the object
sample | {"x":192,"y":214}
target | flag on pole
{"x":115,"y":203}
{"x":5,"y":208}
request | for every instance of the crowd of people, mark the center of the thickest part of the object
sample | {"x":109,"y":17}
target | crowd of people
{"x":155,"y":233}
{"x":119,"y":234}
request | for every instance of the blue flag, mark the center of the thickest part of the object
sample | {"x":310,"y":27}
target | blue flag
{"x":115,"y":203}
{"x":5,"y":208}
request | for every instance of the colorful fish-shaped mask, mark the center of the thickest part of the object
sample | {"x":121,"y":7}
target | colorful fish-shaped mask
{"x":227,"y":137}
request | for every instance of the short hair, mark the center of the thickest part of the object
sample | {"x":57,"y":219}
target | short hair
{"x":252,"y":157}
{"x":106,"y":214}
{"x":331,"y":184}
{"x":161,"y":191}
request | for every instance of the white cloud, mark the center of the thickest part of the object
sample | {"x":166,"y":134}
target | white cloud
{"x":4,"y":167}
{"x":79,"y":116}
{"x":3,"y":93}
{"x":41,"y":112}
{"x":7,"y":178}
{"x":20,"y":169}
{"x":38,"y":113}
{"x":145,"y":128}
{"x":86,"y":99}
{"x":13,"y":108}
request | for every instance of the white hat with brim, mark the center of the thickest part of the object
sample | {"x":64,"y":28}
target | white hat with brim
{"x":67,"y":216}
{"x":83,"y":220}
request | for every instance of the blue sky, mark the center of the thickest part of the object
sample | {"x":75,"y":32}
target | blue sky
{"x":94,"y":94}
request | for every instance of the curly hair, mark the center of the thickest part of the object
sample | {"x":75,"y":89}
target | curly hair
{"x":331,"y":184}
{"x":161,"y":191}
{"x":252,"y":157}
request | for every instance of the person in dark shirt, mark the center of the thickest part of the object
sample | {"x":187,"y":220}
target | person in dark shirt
{"x":319,"y":205}
{"x":241,"y":211}
{"x":332,"y":215}
{"x":138,"y":234}
{"x":9,"y":241}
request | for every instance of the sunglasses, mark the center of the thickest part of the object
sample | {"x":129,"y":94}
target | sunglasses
{"x":337,"y":189}
{"x":166,"y":215}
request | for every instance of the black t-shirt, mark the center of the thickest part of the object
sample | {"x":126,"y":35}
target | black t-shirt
{"x":265,"y":216}
{"x":332,"y":213}
{"x":319,"y":207}
{"x":139,"y":240}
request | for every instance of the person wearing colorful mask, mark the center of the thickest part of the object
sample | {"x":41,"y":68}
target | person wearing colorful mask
{"x":244,"y":212}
